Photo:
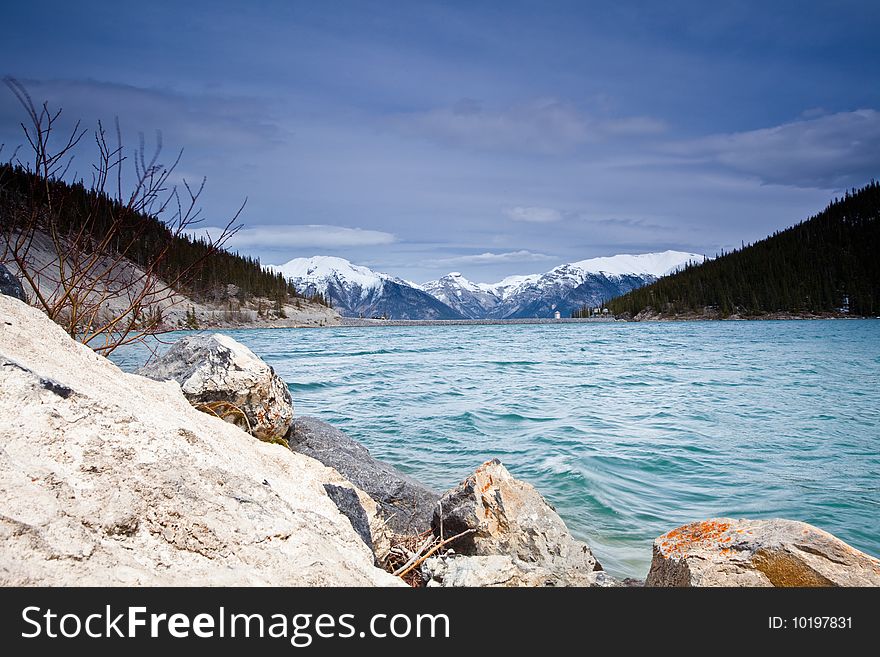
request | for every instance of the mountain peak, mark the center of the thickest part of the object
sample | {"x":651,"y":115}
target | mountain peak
{"x":318,"y":269}
{"x":356,"y":290}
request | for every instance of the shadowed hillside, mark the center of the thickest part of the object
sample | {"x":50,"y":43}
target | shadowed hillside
{"x":826,"y":264}
{"x":146,"y":236}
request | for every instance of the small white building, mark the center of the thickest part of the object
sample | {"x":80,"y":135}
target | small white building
{"x":557,"y":315}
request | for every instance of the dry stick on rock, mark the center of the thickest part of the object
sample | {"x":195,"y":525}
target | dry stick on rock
{"x":403,"y":547}
{"x":405,"y":568}
{"x":222,"y":409}
{"x":433,"y":550}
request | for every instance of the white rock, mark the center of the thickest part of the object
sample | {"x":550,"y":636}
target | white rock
{"x":222,"y":376}
{"x":502,"y":570}
{"x":108,"y":478}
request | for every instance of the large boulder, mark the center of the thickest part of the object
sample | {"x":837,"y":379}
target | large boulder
{"x":223,"y":377}
{"x":111,"y":479}
{"x":505,"y":516}
{"x":10,"y":285}
{"x":405,"y":502}
{"x":726,"y":552}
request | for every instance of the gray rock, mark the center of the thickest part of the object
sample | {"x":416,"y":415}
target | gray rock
{"x":509,"y":517}
{"x":10,"y":285}
{"x":349,"y":504}
{"x":223,"y":377}
{"x":785,"y":553}
{"x":405,"y":502}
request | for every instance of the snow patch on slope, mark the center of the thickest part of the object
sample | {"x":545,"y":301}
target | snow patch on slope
{"x":652,"y":264}
{"x":318,"y":269}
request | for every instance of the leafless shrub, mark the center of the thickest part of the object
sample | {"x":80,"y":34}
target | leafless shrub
{"x":87,"y":283}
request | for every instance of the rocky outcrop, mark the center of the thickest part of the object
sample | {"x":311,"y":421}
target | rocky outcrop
{"x":10,"y":285}
{"x":114,"y":479}
{"x":405,"y":502}
{"x":224,"y":378}
{"x":507,"y":517}
{"x":726,"y":552}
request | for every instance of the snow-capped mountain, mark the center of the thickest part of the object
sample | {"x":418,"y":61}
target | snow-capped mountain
{"x":357,"y":291}
{"x":564,"y":288}
{"x":473,"y":300}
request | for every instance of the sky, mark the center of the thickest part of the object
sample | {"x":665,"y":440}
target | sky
{"x":489,"y":138}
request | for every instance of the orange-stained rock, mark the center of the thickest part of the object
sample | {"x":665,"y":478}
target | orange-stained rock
{"x":725,"y":552}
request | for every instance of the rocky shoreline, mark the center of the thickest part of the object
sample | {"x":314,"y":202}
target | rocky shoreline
{"x":196,"y":471}
{"x":713,"y":314}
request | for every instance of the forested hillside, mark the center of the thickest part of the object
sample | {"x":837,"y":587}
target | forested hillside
{"x":144,"y":237}
{"x":826,"y":264}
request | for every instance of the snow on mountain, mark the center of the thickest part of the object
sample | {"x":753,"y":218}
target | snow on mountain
{"x":355,"y":290}
{"x":564,"y":288}
{"x":508,"y":286}
{"x":472,"y":300}
{"x":321,"y":271}
{"x":651,"y":264}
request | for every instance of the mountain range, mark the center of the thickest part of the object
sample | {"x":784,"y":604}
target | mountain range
{"x":359,"y":291}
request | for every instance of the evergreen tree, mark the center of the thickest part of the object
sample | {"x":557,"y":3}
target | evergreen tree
{"x":826,"y":264}
{"x":215,"y":273}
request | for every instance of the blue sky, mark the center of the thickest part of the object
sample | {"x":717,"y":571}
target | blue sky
{"x":489,"y":138}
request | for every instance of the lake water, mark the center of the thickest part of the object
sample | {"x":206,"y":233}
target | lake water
{"x":627,"y":429}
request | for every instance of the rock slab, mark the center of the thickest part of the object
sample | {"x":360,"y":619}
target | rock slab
{"x":112,"y":479}
{"x":509,"y":517}
{"x":10,"y":285}
{"x":501,"y":570}
{"x":405,"y":502}
{"x":785,"y":553}
{"x":223,"y":377}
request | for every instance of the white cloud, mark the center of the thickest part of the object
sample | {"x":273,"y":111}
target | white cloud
{"x":302,"y":235}
{"x":543,"y":126}
{"x":834,"y":150}
{"x":494,"y":258}
{"x":534,"y":214}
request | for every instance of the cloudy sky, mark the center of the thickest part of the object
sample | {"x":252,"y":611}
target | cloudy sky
{"x":490,"y":138}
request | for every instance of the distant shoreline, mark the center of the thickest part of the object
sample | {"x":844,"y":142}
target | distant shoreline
{"x":356,"y":321}
{"x":350,"y":322}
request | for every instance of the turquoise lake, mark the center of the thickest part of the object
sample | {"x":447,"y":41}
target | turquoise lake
{"x":628,"y":429}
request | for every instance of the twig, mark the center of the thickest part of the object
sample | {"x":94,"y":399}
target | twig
{"x":433,"y":550}
{"x":405,"y":568}
{"x":216,"y":408}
